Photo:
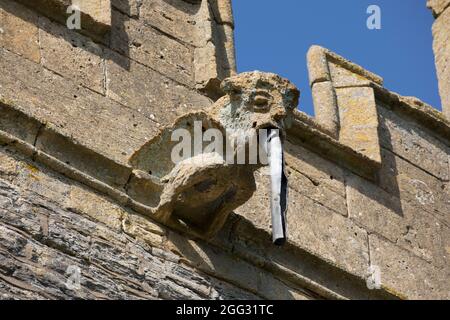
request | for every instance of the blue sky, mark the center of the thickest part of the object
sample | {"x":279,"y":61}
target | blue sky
{"x":274,"y":36}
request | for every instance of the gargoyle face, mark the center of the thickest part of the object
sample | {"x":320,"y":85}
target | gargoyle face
{"x":261,"y":100}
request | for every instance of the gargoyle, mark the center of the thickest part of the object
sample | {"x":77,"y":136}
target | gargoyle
{"x":199,"y":181}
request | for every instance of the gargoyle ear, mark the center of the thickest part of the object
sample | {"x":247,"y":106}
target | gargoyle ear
{"x":229,"y":87}
{"x":291,"y":97}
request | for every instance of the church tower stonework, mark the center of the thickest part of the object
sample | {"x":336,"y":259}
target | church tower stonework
{"x":84,"y":118}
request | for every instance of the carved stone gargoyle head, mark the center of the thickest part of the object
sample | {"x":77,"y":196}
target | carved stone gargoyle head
{"x":256,"y":100}
{"x":200,"y":190}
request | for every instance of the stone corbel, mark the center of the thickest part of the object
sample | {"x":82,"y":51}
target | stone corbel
{"x":344,"y":101}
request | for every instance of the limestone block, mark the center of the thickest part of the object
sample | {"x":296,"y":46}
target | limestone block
{"x":413,"y":185}
{"x":441,"y":46}
{"x":446,"y":243}
{"x":319,"y":170}
{"x":18,"y":30}
{"x":223,"y":13}
{"x":223,"y":291}
{"x":408,"y":140}
{"x":273,"y":289}
{"x":153,"y":49}
{"x":318,"y":193}
{"x":318,"y":65}
{"x":325,"y":107}
{"x":99,"y":10}
{"x":83,"y":159}
{"x":95,"y":206}
{"x":88,"y":118}
{"x":215,"y":262}
{"x":177,"y":18}
{"x":72,"y":55}
{"x":151,"y":94}
{"x":128,"y":7}
{"x":405,"y":274}
{"x":359,"y":120}
{"x":8,"y":166}
{"x":324,"y":64}
{"x":343,"y":77}
{"x":438,"y":6}
{"x":37,"y":179}
{"x":405,"y":225}
{"x":143,"y":229}
{"x":95,"y":15}
{"x":17,"y":124}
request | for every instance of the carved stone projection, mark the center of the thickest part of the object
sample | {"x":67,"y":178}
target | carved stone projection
{"x":203,"y":189}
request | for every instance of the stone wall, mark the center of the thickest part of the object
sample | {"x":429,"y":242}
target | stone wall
{"x":366,"y":192}
{"x":441,"y":34}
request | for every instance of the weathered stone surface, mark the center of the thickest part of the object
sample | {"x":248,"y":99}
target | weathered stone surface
{"x":143,"y":229}
{"x":223,"y":291}
{"x":342,"y":77}
{"x":8,"y":167}
{"x":408,"y":140}
{"x":112,"y":266}
{"x":99,"y":10}
{"x":177,"y":18}
{"x":86,"y":202}
{"x":72,"y":55}
{"x":313,"y":228}
{"x":316,"y":192}
{"x":406,"y":226}
{"x":91,"y":119}
{"x":19,"y":30}
{"x":215,"y":262}
{"x":325,"y":65}
{"x":223,"y":12}
{"x":95,"y":15}
{"x":438,"y":6}
{"x":150,"y":94}
{"x":153,"y":49}
{"x":128,"y":7}
{"x":325,"y":107}
{"x":273,"y":289}
{"x":359,"y":120}
{"x":405,"y":274}
{"x":319,"y":170}
{"x":413,"y":185}
{"x":318,"y":65}
{"x":441,"y":46}
{"x":18,"y":125}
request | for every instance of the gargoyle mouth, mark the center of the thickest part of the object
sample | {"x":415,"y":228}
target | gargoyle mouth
{"x":261,"y":100}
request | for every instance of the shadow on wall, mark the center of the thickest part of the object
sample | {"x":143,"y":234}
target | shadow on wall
{"x":116,"y":39}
